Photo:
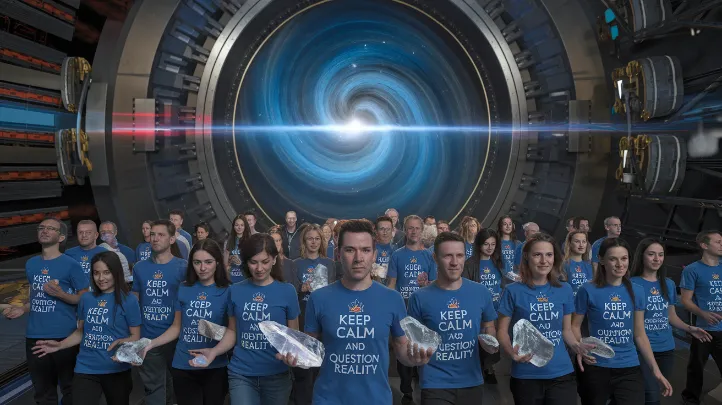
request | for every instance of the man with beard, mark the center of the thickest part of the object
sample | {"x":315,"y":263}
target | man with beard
{"x":155,"y":283}
{"x":56,"y":283}
{"x":355,"y":318}
{"x":453,"y":376}
{"x":397,"y":236}
{"x":87,"y":233}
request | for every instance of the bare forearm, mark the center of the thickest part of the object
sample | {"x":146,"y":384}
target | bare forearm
{"x":73,"y":340}
{"x":168,"y":336}
{"x":227,"y":343}
{"x":643,"y":346}
{"x":690,"y":306}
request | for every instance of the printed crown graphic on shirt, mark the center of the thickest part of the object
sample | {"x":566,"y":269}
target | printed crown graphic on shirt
{"x":487,"y":270}
{"x":413,"y":260}
{"x":102,"y":303}
{"x":384,"y":253}
{"x":715,"y":276}
{"x":202,"y":296}
{"x":356,"y":307}
{"x":158,"y":275}
{"x":453,"y":304}
{"x":310,"y":269}
{"x":542,"y":298}
{"x":258,"y":297}
{"x":654,"y":291}
{"x":615,"y":298}
{"x":45,"y":271}
{"x":578,"y":269}
{"x":84,"y":258}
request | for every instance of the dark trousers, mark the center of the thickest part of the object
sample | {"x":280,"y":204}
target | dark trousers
{"x":698,"y":354}
{"x":624,"y":386}
{"x":560,"y":390}
{"x":303,"y":379}
{"x":204,"y":386}
{"x":452,"y":396}
{"x":156,"y":375}
{"x":89,"y":388}
{"x":652,"y":391}
{"x":406,"y":374}
{"x":488,"y":360}
{"x":51,"y":370}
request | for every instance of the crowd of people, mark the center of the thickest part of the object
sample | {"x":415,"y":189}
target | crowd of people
{"x":86,"y":302}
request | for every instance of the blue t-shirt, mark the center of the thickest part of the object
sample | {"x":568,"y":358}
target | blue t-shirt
{"x":508,"y":253}
{"x":354,"y":327}
{"x":105,"y":322}
{"x":51,"y":317}
{"x":329,"y":249}
{"x":707,"y":286}
{"x":595,"y":249}
{"x":611,"y":319}
{"x":457,"y":316}
{"x":184,"y":251}
{"x":143,"y":252}
{"x":84,"y":257}
{"x":304,"y":270}
{"x":383,"y":254}
{"x":490,"y":277}
{"x":157,"y":288}
{"x":236,"y":269}
{"x":469,"y":247}
{"x":656,"y":314}
{"x":253,"y":355}
{"x":545,"y":307}
{"x":198,"y":302}
{"x":186,"y":235}
{"x":518,"y":253}
{"x":578,"y":273}
{"x":128,"y":253}
{"x":406,"y":265}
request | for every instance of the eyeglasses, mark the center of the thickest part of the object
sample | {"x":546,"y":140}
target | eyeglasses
{"x":48,"y":228}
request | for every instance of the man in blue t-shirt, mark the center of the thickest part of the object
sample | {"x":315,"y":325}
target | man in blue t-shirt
{"x":384,"y":249}
{"x":56,"y":284}
{"x":87,"y":232}
{"x":354,"y":318}
{"x":183,"y":237}
{"x":701,"y":294}
{"x":459,"y":310}
{"x":613,"y":227}
{"x":155,"y":283}
{"x":410,"y":268}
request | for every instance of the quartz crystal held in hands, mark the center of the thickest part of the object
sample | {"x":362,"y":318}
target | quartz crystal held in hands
{"x":211,"y":330}
{"x":419,"y":334}
{"x":601,"y":349}
{"x":530,"y":340}
{"x":379,"y":270}
{"x":513,"y":276}
{"x":200,"y":360}
{"x":129,"y":352}
{"x":319,"y":277}
{"x":489,"y":340}
{"x":308,"y":351}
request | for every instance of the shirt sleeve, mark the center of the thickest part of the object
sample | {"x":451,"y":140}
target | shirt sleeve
{"x":639,"y":298}
{"x":78,"y":279}
{"x":581,"y":301}
{"x":432,"y":267}
{"x":393,"y":271}
{"x":488,"y":313}
{"x":293,"y":308}
{"x":689,"y":278}
{"x":415,"y":307}
{"x":231,"y":308}
{"x":569,"y":301}
{"x":81,"y":308}
{"x":136,"y":280}
{"x":672,"y":291}
{"x":132,"y":311}
{"x":312,"y":323}
{"x":595,"y":251}
{"x":506,"y":304}
{"x":399,"y":313}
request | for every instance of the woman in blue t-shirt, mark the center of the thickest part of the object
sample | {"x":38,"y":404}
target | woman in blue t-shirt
{"x":660,"y":313}
{"x":470,"y":226}
{"x":507,"y":241}
{"x":240,"y":231}
{"x":142,"y":251}
{"x":255,"y":376}
{"x":615,"y":308}
{"x":577,"y":268}
{"x":108,"y":316}
{"x":547,"y":303}
{"x":483,"y":267}
{"x":204,"y":294}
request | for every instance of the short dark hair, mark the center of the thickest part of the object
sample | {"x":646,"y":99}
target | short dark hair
{"x":429,"y":217}
{"x":703,"y":237}
{"x":164,"y":222}
{"x":177,"y":212}
{"x":249,"y":213}
{"x":383,"y":218}
{"x":356,"y":226}
{"x":578,"y":221}
{"x":62,"y":226}
{"x":446,"y":237}
{"x":572,"y":220}
{"x":442,"y":221}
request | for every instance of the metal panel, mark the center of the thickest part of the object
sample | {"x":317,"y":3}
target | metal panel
{"x":23,"y":234}
{"x":580,"y":115}
{"x":72,"y":3}
{"x":27,"y":155}
{"x":95,"y":128}
{"x":36,"y":18}
{"x":29,"y":77}
{"x":144,"y":125}
{"x":30,"y":48}
{"x":29,"y":190}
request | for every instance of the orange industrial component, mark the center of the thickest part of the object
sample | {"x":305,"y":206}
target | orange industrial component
{"x":31,"y":218}
{"x":31,"y":96}
{"x":52,"y":10}
{"x":29,"y":59}
{"x":29,"y":175}
{"x":28,"y":136}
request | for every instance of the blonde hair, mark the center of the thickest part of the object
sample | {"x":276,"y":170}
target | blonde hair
{"x":310,"y":228}
{"x":464,"y":231}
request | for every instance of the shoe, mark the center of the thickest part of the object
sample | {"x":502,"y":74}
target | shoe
{"x":407,"y":399}
{"x":490,"y":377}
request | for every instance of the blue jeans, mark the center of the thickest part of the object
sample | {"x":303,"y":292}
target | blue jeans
{"x":665,"y":362}
{"x":266,"y":390}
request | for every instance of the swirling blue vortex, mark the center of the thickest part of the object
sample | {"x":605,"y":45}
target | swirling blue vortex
{"x":378,"y":62}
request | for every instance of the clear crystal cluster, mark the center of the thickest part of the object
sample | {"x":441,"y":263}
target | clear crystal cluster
{"x":489,"y":340}
{"x":420,"y":334}
{"x":211,"y":330}
{"x":309,"y":352}
{"x":530,"y":340}
{"x":319,"y":277}
{"x":513,"y":277}
{"x":601,"y":349}
{"x":129,"y":352}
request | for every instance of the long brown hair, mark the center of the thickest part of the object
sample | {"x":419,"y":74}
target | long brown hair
{"x":600,"y":278}
{"x":525,"y":270}
{"x":637,"y":265}
{"x":259,"y":243}
{"x":500,"y":225}
{"x":212,"y":248}
{"x":309,"y":228}
{"x":233,"y":236}
{"x":568,"y":249}
{"x":481,"y":237}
